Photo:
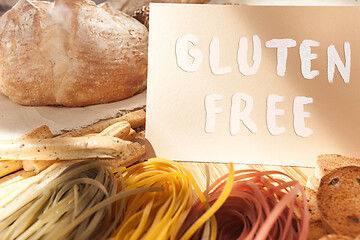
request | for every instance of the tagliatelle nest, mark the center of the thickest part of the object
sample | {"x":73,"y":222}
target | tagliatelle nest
{"x":259,"y":206}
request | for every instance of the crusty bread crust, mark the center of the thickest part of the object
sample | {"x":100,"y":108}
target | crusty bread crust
{"x":338,"y":201}
{"x":71,"y":53}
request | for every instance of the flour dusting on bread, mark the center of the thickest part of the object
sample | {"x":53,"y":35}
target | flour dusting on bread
{"x":71,"y":53}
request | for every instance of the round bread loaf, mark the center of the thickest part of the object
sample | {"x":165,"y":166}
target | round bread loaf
{"x":71,"y":53}
{"x":338,"y":200}
{"x":130,"y":6}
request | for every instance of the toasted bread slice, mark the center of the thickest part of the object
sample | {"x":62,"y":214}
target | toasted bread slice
{"x":317,"y":231}
{"x":335,"y":237}
{"x":325,"y":164}
{"x":312,"y":183}
{"x":314,"y":213}
{"x":329,"y":162}
{"x":338,"y":201}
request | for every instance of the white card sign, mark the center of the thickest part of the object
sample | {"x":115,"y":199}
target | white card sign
{"x":253,"y":84}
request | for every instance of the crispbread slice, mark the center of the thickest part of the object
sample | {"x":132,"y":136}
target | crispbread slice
{"x":338,"y":201}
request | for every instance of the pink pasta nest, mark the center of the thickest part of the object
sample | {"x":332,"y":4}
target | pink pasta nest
{"x":261,"y":205}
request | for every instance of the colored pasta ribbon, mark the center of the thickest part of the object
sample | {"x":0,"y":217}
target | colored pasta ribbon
{"x":258,"y":207}
{"x":78,"y":203}
{"x":159,"y":215}
{"x":155,"y":199}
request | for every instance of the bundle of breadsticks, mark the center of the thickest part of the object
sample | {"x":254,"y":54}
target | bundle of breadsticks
{"x":113,"y":140}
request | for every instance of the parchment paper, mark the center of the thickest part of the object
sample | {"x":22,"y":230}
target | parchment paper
{"x":17,"y":120}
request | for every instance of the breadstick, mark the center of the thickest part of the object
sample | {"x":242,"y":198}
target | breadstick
{"x":64,"y":148}
{"x":15,"y":177}
{"x":135,"y":153}
{"x":42,"y":132}
{"x":131,"y":135}
{"x":136,"y":119}
{"x":120,"y":130}
{"x":10,"y":166}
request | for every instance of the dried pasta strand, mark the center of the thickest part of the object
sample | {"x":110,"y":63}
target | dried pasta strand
{"x":160,"y":215}
{"x":156,"y":215}
{"x":261,"y":205}
{"x":211,"y":211}
{"x":77,"y":204}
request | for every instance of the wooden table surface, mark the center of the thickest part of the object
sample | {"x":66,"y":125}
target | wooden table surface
{"x":219,"y":169}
